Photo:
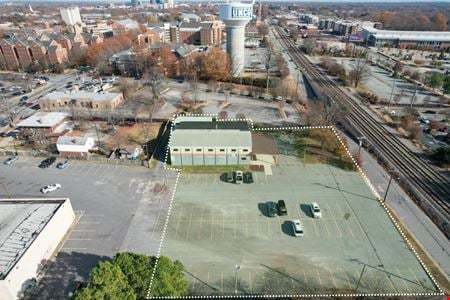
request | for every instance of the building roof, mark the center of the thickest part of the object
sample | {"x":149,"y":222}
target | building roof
{"x":129,"y":23}
{"x":211,"y":138}
{"x":81,"y":95}
{"x":437,"y":36}
{"x":43,"y":119}
{"x":22,"y":221}
{"x":206,"y":131}
{"x":73,"y":140}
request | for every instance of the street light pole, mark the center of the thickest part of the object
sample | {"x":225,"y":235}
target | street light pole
{"x":387,"y":189}
{"x":236,"y":269}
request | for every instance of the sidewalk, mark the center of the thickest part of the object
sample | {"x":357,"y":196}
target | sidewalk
{"x":433,"y":241}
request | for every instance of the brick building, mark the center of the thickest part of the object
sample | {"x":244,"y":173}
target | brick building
{"x":88,"y":100}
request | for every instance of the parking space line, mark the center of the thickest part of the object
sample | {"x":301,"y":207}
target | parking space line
{"x":403,"y":280}
{"x":194,"y":281}
{"x":207,"y":280}
{"x":234,"y":218}
{"x":356,"y":220}
{"x":190,"y":221}
{"x":156,"y":221}
{"x":326,"y":227}
{"x":201,"y":221}
{"x":415,"y":277}
{"x":390,"y":281}
{"x":250,"y":282}
{"x":341,"y":271}
{"x":333,"y":279}
{"x":268,"y":226}
{"x":221,"y":284}
{"x":320,"y":279}
{"x":78,"y":239}
{"x":334,"y":219}
{"x":84,"y":230}
{"x":88,"y":222}
{"x":223,"y":225}
{"x":212,"y":225}
{"x":178,"y":222}
{"x":257,"y":226}
{"x":304,"y":275}
{"x":315,"y":228}
{"x":246,"y":225}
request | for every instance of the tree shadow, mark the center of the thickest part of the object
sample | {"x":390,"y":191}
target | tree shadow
{"x":63,"y":275}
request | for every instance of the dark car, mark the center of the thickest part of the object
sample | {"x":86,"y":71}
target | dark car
{"x":248,"y":177}
{"x":24,"y":98}
{"x":282,"y":210}
{"x":47,"y":162}
{"x":271,"y":209}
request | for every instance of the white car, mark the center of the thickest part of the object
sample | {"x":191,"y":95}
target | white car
{"x":315,"y":210}
{"x":50,"y":188}
{"x":239,"y":177}
{"x":297,"y":228}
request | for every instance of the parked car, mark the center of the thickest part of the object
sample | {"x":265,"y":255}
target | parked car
{"x":50,"y":188}
{"x":24,"y":98}
{"x":239,"y":177}
{"x":10,"y":160}
{"x":315,"y":210}
{"x":271,"y":209}
{"x":248,"y":177}
{"x":297,"y":228}
{"x":47,"y":162}
{"x":63,"y":164}
{"x":282,"y":210}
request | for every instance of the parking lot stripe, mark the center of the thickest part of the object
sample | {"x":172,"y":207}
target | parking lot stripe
{"x":246,"y":225}
{"x":334,"y":219}
{"x":223,"y":225}
{"x":333,"y":279}
{"x":221,"y":284}
{"x":346,"y":277}
{"x":178,"y":222}
{"x":257,"y":226}
{"x":201,"y":221}
{"x":194,"y":281}
{"x":320,"y":279}
{"x":250,"y":281}
{"x":84,"y":230}
{"x":156,"y":221}
{"x":390,"y":281}
{"x":207,"y":280}
{"x":415,"y":277}
{"x":78,"y":239}
{"x":212,"y":225}
{"x":304,"y":275}
{"x":403,"y":280}
{"x":189,"y":222}
{"x":88,"y":222}
{"x":356,"y":220}
{"x":326,"y":227}
{"x":268,"y":226}
{"x":234,"y":220}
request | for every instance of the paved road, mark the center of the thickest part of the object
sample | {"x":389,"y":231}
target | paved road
{"x":121,"y":209}
{"x":424,"y":230}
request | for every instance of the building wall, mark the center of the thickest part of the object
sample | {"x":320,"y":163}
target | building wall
{"x":185,"y":156}
{"x":10,"y":55}
{"x":42,"y":249}
{"x":81,"y":103}
{"x":38,"y":52}
{"x":24,"y":56}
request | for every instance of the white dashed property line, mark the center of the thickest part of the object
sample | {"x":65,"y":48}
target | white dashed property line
{"x":300,"y":296}
{"x":367,"y":181}
{"x":391,"y":217}
{"x":163,"y":235}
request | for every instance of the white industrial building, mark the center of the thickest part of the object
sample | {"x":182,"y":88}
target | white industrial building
{"x":71,"y":16}
{"x":30,"y":232}
{"x":208,"y":141}
{"x":74,"y":146}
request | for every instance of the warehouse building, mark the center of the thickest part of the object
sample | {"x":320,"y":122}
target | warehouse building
{"x":31,"y":232}
{"x":437,"y":40}
{"x":209,"y":141}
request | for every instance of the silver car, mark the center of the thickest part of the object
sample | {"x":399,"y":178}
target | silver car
{"x":10,"y":160}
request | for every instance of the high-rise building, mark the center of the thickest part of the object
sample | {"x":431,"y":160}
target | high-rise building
{"x":135,"y":3}
{"x":71,"y":16}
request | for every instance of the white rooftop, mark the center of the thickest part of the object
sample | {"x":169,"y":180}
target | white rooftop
{"x":80,"y":95}
{"x":21,"y":222}
{"x":73,"y":140}
{"x":211,"y":138}
{"x":438,"y":36}
{"x":43,"y":119}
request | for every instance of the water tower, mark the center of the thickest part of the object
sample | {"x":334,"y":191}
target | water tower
{"x":235,"y":16}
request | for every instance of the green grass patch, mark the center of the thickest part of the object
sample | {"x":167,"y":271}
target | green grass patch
{"x":213,"y":169}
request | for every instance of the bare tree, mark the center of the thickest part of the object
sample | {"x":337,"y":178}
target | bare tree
{"x":294,"y":33}
{"x":263,"y":29}
{"x":11,"y":114}
{"x":268,"y":59}
{"x":360,"y":68}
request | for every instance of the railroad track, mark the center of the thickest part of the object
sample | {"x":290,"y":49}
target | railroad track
{"x":425,"y":181}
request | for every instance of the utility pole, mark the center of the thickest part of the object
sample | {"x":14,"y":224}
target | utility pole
{"x":392,"y":93}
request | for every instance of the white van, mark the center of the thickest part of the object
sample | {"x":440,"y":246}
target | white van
{"x":297,"y":227}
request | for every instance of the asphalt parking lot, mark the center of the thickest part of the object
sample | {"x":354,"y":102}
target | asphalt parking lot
{"x":120,"y":208}
{"x":228,"y":244}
